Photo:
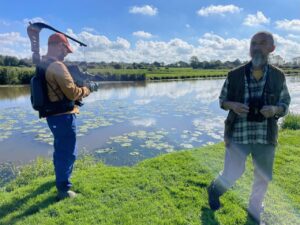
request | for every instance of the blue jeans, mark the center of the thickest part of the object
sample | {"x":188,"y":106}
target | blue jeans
{"x":63,"y":128}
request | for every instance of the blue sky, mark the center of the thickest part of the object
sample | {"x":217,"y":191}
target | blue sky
{"x":152,"y":30}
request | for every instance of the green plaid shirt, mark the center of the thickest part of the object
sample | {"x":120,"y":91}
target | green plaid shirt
{"x":246,"y":132}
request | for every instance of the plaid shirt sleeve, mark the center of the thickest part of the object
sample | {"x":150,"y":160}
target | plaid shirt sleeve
{"x":223,"y":95}
{"x":284,"y":100}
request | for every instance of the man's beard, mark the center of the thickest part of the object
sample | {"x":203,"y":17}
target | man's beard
{"x":258,"y":59}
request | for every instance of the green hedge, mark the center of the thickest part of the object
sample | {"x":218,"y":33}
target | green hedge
{"x":15,"y":75}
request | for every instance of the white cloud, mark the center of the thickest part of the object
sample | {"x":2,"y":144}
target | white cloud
{"x":144,"y":10}
{"x":100,"y":42}
{"x":120,"y":44}
{"x":4,"y":23}
{"x":14,"y":44}
{"x":218,"y":9}
{"x":142,"y":34}
{"x":33,"y":20}
{"x":214,"y":47}
{"x":289,"y":25}
{"x":171,"y":51}
{"x":293,"y":37}
{"x":256,"y":19}
{"x":210,"y":46}
{"x":286,"y":48}
{"x":89,"y":29}
{"x":187,"y":25}
{"x":12,"y":38}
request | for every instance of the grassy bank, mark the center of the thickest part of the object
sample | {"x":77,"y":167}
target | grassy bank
{"x":170,"y":189}
{"x":186,"y":73}
{"x":161,"y":73}
{"x":169,"y":73}
{"x":165,"y":73}
{"x":22,"y":75}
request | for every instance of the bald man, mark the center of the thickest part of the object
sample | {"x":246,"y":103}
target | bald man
{"x":256,"y":95}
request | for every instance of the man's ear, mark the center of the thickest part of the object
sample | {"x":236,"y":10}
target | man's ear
{"x":272,"y":48}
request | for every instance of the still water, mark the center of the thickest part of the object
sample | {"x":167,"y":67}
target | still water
{"x":123,"y":123}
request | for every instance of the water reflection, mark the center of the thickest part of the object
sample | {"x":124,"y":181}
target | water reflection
{"x":13,"y":92}
{"x":124,"y":123}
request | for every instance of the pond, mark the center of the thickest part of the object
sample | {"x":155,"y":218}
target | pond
{"x":123,"y":123}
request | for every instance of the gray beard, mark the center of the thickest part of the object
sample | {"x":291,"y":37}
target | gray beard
{"x":259,"y":60}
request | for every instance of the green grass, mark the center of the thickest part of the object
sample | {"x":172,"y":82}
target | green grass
{"x":162,"y":73}
{"x":22,"y":75}
{"x":292,"y":71}
{"x":169,"y":189}
{"x":111,"y":71}
{"x":183,"y":73}
{"x":28,"y":69}
{"x":171,"y":73}
{"x":292,"y":122}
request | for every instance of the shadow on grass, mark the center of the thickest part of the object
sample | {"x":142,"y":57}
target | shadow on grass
{"x":17,"y":203}
{"x":250,"y":221}
{"x":207,"y":217}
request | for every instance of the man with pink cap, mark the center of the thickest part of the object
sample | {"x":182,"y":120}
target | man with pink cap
{"x":62,"y":95}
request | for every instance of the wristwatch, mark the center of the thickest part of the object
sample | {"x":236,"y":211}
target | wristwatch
{"x":277,"y":116}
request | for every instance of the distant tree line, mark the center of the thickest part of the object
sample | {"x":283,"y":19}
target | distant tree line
{"x":20,"y":71}
{"x":217,"y":64}
{"x":194,"y":62}
{"x":15,"y":75}
{"x":14,"y":61}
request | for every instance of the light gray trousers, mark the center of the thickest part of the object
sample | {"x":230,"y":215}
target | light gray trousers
{"x":234,"y":166}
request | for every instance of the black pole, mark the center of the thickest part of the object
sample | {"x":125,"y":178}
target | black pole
{"x":40,"y":25}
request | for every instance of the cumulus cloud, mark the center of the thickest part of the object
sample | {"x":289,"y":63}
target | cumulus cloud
{"x":12,"y":38}
{"x":100,"y":48}
{"x":14,"y":44}
{"x":218,"y":9}
{"x":289,"y":25}
{"x":144,"y":10}
{"x":210,"y":46}
{"x":33,"y":20}
{"x":171,"y":51}
{"x":101,"y":42}
{"x":142,"y":34}
{"x":215,"y":47}
{"x":256,"y":19}
{"x":287,"y":48}
{"x":293,"y":37}
{"x":89,"y":29}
